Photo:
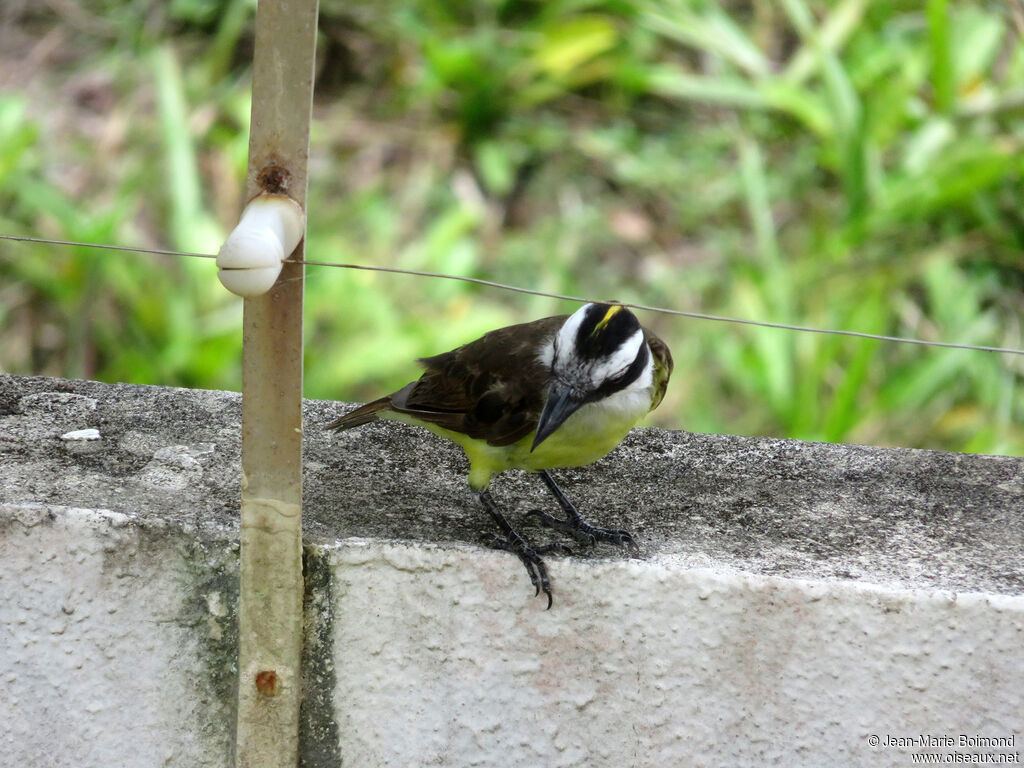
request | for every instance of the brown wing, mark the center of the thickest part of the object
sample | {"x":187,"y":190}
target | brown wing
{"x":490,"y":389}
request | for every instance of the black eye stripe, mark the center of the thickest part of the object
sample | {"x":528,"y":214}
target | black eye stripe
{"x":627,"y":377}
{"x":619,"y":327}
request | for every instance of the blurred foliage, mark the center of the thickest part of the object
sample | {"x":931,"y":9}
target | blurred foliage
{"x":838,"y":164}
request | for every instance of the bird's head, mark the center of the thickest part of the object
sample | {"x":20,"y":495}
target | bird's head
{"x":598,"y":351}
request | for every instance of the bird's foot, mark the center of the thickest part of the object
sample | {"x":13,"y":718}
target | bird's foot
{"x":531,"y":558}
{"x":581,"y":530}
{"x":574,"y":525}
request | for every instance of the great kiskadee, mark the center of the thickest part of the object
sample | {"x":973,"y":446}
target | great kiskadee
{"x":557,"y":392}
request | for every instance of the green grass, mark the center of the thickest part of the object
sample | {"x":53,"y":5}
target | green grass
{"x":845,"y":164}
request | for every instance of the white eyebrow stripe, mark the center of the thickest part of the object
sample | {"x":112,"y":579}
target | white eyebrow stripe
{"x":626,"y":353}
{"x":565,"y":339}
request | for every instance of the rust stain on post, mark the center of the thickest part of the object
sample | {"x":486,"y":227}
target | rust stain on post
{"x":270,"y":605}
{"x":266,"y":682}
{"x":274,"y":179}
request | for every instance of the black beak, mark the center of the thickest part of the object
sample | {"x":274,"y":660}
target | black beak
{"x":562,"y":403}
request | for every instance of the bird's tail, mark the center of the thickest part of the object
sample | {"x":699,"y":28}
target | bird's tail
{"x":364,"y":414}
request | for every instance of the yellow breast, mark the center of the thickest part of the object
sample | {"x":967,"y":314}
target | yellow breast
{"x":586,"y":436}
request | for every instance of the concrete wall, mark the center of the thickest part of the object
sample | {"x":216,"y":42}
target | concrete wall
{"x":790,"y":603}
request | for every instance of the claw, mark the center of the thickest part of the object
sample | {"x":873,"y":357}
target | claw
{"x":574,"y":525}
{"x":516,"y":544}
{"x":584,"y":532}
{"x":531,"y":560}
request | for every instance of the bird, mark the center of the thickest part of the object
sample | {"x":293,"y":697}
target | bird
{"x":557,"y":392}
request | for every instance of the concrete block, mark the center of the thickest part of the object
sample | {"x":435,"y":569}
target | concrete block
{"x":791,"y":602}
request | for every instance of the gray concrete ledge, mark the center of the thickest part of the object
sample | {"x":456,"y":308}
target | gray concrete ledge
{"x":899,"y":517}
{"x":790,"y":600}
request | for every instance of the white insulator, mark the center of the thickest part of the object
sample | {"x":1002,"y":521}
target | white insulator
{"x":268,"y":231}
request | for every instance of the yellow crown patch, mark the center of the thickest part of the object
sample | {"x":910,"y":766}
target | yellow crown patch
{"x":613,"y":310}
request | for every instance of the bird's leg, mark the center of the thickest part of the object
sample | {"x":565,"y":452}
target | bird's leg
{"x":513,"y":542}
{"x":574,"y":524}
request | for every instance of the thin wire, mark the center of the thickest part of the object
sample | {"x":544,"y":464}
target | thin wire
{"x":564,"y":297}
{"x":106,"y":247}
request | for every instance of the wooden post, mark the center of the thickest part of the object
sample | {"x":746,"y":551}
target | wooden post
{"x":270,"y":604}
